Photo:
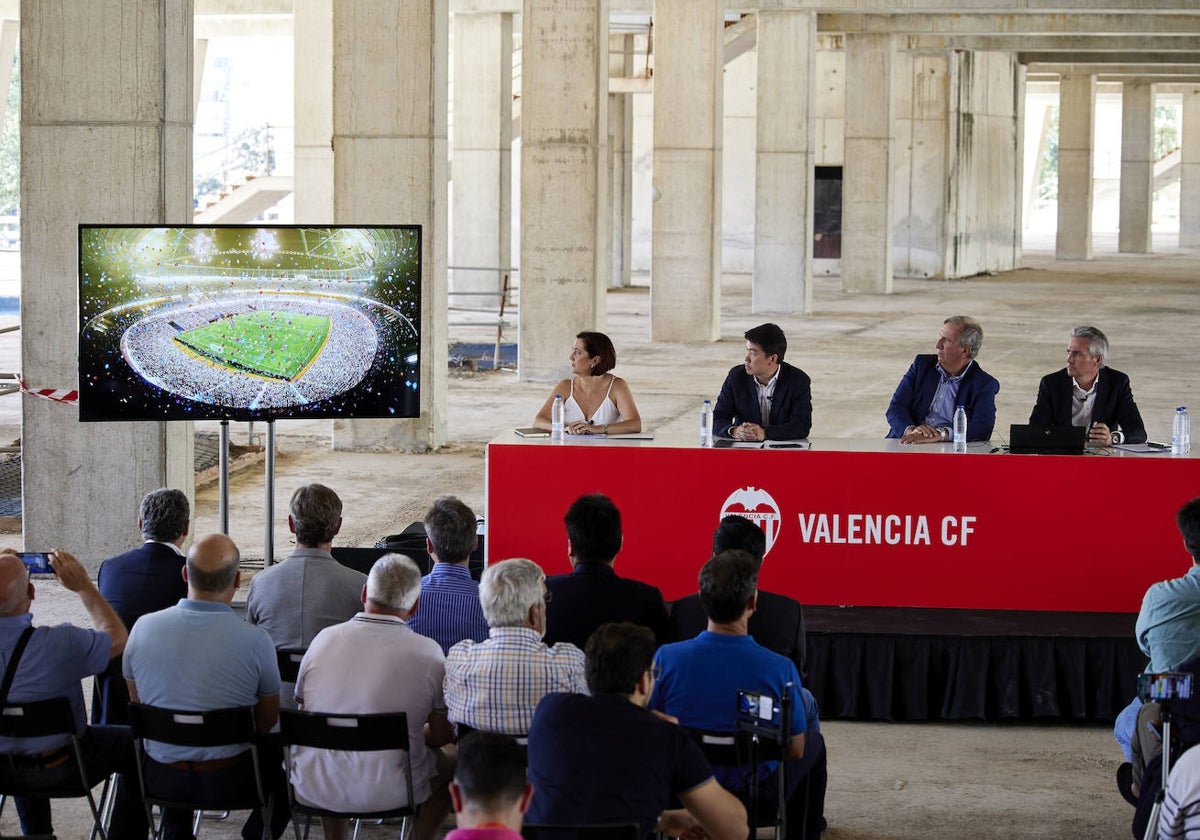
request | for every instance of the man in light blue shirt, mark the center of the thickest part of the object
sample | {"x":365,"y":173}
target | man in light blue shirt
{"x":199,"y":655}
{"x":450,"y":610}
{"x":1168,"y":631}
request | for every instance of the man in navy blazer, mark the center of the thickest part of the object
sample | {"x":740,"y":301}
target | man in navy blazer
{"x":145,"y":580}
{"x":764,"y":398}
{"x":1088,"y":393}
{"x":922,"y":409}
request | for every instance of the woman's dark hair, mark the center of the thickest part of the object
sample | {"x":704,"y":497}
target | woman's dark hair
{"x":598,"y":344}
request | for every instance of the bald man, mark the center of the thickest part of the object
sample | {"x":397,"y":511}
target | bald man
{"x":200,"y":655}
{"x":55,"y":659}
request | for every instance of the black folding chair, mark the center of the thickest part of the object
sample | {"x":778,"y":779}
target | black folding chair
{"x":38,"y":719}
{"x":744,"y":749}
{"x":214,"y":728}
{"x":289,"y":663}
{"x":349,"y":733}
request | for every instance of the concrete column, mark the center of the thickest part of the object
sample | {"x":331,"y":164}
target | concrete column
{"x":1137,"y":167}
{"x":783,"y":230}
{"x":106,"y":136}
{"x":390,"y":88}
{"x":867,"y":174}
{"x":312,"y":182}
{"x":1189,"y":172}
{"x":620,"y":142}
{"x":685,"y":268}
{"x":564,"y":180}
{"x":482,"y":179}
{"x":1076,"y":124}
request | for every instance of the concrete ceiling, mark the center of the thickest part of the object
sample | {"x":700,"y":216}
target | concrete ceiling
{"x":1155,"y":40}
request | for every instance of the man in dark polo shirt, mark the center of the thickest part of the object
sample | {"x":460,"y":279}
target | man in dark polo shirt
{"x":605,"y":758}
{"x":593,"y":593}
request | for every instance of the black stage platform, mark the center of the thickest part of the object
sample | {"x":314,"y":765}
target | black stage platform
{"x":909,"y":664}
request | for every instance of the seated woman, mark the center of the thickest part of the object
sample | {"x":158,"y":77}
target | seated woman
{"x":595,"y":401}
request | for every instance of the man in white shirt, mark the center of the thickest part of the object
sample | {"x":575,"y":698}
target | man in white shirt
{"x":375,"y":663}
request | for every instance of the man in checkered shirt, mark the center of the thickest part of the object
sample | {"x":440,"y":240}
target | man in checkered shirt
{"x":495,"y":685}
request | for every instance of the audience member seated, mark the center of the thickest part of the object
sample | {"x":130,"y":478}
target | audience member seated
{"x":593,"y":593}
{"x":308,"y":591}
{"x":1168,"y":631}
{"x":1180,"y":815}
{"x":371,"y":664}
{"x":489,"y":791}
{"x":606,"y":758}
{"x":495,"y":685}
{"x":199,"y":655}
{"x":450,"y":610}
{"x":54,"y":661}
{"x":144,"y":580}
{"x":700,"y":680}
{"x":778,"y":622}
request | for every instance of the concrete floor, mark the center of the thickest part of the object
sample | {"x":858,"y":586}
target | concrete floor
{"x":886,"y":780}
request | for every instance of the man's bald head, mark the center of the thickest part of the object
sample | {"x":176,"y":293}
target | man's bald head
{"x":16,"y":590}
{"x":212,"y":566}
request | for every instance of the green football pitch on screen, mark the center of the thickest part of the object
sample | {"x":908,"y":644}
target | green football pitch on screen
{"x":280,"y":345}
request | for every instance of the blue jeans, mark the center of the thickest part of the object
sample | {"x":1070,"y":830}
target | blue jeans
{"x":1124,"y":725}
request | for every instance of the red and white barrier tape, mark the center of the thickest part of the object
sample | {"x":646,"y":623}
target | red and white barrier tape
{"x":52,"y":394}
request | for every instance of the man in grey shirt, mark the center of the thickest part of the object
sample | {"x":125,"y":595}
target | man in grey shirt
{"x":309,"y":590}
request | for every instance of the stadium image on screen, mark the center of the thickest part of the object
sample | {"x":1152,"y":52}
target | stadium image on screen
{"x":240,"y":322}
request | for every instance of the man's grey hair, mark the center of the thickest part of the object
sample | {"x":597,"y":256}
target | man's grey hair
{"x":508,"y":589}
{"x":316,"y":514}
{"x":971,"y":337}
{"x":1097,"y":341}
{"x":450,"y":526}
{"x":394,"y":583}
{"x":164,"y":514}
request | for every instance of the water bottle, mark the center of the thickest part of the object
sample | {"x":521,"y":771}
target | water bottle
{"x":960,"y":429}
{"x":706,"y":421}
{"x":556,"y":418}
{"x":1181,"y":432}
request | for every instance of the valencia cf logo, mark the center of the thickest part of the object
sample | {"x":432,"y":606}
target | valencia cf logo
{"x":758,"y":507}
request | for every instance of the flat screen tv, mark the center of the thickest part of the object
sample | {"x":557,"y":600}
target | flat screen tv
{"x":244,"y":322}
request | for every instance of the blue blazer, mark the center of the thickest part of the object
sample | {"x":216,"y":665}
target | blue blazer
{"x":1114,"y":406}
{"x":910,"y":404}
{"x":791,"y":405}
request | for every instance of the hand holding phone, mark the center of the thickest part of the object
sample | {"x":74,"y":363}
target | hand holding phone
{"x":37,"y":562}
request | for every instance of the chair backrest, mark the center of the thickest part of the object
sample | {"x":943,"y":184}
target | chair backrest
{"x":213,"y":728}
{"x":37,"y":718}
{"x":607,"y":831}
{"x":354,"y":733}
{"x":289,"y":660}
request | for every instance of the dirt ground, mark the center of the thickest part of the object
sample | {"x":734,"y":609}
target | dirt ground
{"x":933,"y":780}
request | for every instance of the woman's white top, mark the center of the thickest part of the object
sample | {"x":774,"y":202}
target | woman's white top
{"x":606,"y":414}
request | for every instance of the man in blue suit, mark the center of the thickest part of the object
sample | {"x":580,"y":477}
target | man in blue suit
{"x":764,"y":398}
{"x":145,"y":580}
{"x":922,"y":409}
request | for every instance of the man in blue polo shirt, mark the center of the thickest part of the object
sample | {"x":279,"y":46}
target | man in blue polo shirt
{"x":199,"y":655}
{"x":52,"y":664}
{"x":701,"y":679}
{"x":450,"y":610}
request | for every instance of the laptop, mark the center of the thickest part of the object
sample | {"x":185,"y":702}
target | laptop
{"x":1046,"y":440}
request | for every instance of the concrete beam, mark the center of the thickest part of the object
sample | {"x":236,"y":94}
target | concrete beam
{"x":1105,"y":60}
{"x":1061,"y":43}
{"x":944,"y":21}
{"x":1117,"y":69}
